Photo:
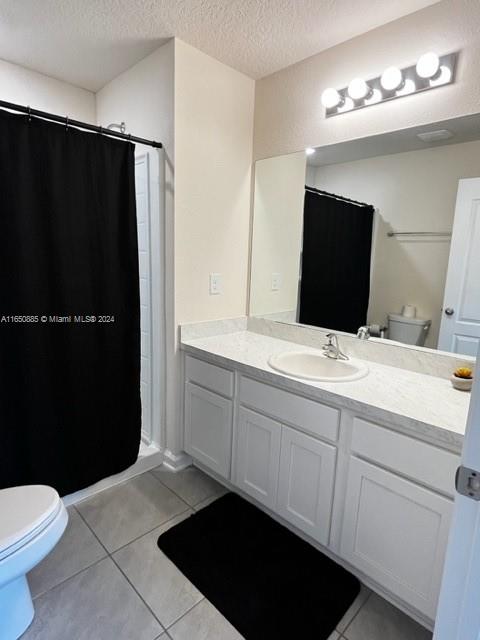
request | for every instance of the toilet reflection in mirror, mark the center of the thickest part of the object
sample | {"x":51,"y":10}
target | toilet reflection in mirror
{"x":377,"y":237}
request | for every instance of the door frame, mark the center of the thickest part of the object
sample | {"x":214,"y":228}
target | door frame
{"x":458,"y":614}
{"x":463,"y":223}
{"x":156,"y":189}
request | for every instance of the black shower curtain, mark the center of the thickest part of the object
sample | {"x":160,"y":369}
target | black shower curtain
{"x":70,"y":408}
{"x":335,"y":282}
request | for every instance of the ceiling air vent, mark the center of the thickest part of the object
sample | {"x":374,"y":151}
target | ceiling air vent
{"x":435,"y":136}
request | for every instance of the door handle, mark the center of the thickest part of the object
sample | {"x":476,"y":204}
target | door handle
{"x":449,"y":311}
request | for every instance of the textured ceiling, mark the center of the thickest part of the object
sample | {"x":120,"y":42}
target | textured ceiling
{"x":89,"y":42}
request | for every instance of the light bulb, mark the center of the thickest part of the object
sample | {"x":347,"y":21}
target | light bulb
{"x":408,"y":87}
{"x":391,"y":78}
{"x":375,"y":97}
{"x":309,"y":151}
{"x":358,"y":89}
{"x":331,"y":98}
{"x":347,"y":105}
{"x":444,"y":77}
{"x":428,"y":65}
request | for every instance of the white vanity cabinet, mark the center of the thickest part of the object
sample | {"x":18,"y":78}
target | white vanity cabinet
{"x":379,"y":499}
{"x":258,"y":456}
{"x":395,"y":529}
{"x":284,"y":468}
{"x":208,"y":415}
{"x":306,"y":482}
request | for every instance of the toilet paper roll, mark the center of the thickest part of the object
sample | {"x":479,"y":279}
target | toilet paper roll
{"x":375,"y":329}
{"x":409,"y":311}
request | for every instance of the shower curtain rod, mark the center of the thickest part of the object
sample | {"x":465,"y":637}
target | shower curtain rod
{"x":77,"y":123}
{"x":337,"y":197}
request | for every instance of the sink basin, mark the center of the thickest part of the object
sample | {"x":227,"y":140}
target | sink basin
{"x":316,"y":366}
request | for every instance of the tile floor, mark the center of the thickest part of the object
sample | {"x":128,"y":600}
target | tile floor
{"x":107,"y":579}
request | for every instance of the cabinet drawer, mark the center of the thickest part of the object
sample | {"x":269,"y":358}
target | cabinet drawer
{"x":314,"y":417}
{"x":209,"y":375}
{"x":418,"y":460}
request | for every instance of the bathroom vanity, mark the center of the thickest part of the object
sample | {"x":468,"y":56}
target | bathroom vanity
{"x":364,"y":468}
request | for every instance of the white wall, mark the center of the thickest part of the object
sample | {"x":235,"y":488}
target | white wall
{"x":277,"y":232}
{"x":143,"y":97}
{"x":26,"y":87}
{"x":213,"y":155}
{"x":288,"y":112}
{"x":412,"y":191}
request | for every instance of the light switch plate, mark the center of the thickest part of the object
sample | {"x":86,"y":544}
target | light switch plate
{"x":276,"y":281}
{"x":215,"y":284}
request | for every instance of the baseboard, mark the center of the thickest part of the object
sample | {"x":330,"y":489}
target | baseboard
{"x":176,"y":462}
{"x":148,"y":458}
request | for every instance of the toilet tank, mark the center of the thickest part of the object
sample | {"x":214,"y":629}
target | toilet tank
{"x":408,"y":330}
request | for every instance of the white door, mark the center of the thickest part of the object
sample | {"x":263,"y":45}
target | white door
{"x":142,"y":193}
{"x":396,"y":532}
{"x":460,"y":326}
{"x":458,"y":616}
{"x":258,"y":456}
{"x":306,"y":480}
{"x":208,"y":428}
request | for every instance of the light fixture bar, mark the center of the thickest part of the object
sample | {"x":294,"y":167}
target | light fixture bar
{"x":411,"y":84}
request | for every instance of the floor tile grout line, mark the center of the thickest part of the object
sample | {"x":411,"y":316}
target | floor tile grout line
{"x":356,"y":614}
{"x":173,"y":491}
{"x":161,"y":524}
{"x":74,"y":575}
{"x":167,"y":487}
{"x":93,"y":532}
{"x":157,"y":526}
{"x":186,"y":612}
{"x":164,"y":628}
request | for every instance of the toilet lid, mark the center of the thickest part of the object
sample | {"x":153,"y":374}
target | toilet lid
{"x":24,"y":509}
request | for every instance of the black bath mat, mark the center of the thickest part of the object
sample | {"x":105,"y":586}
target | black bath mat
{"x":265,"y":580}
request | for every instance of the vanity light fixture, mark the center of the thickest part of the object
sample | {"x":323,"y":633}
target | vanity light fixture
{"x":429,"y":72}
{"x":309,"y":151}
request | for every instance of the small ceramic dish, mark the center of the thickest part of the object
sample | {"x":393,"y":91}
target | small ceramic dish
{"x":463,"y":384}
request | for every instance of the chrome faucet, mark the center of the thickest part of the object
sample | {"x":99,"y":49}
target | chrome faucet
{"x":363,"y":333}
{"x":332,"y":348}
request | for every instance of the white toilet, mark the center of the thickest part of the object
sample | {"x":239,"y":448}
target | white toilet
{"x":32,"y":521}
{"x":408,"y":330}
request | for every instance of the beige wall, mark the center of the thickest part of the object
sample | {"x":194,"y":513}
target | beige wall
{"x":213,"y":154}
{"x":412,"y":191}
{"x":26,"y":87}
{"x":288,"y":112}
{"x":277,"y":232}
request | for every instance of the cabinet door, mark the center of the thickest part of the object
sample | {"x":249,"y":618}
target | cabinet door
{"x":208,"y":428}
{"x":306,"y":481}
{"x":396,"y":532}
{"x":258,"y":455}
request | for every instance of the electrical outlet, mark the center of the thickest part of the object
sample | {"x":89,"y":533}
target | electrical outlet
{"x":215,"y":284}
{"x":276,"y":281}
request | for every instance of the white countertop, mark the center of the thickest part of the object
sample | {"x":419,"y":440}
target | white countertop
{"x":421,"y":405}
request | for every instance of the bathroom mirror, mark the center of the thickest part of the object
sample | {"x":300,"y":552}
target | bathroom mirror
{"x":377,"y":236}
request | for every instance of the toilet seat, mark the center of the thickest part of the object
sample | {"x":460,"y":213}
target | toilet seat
{"x":24,"y":512}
